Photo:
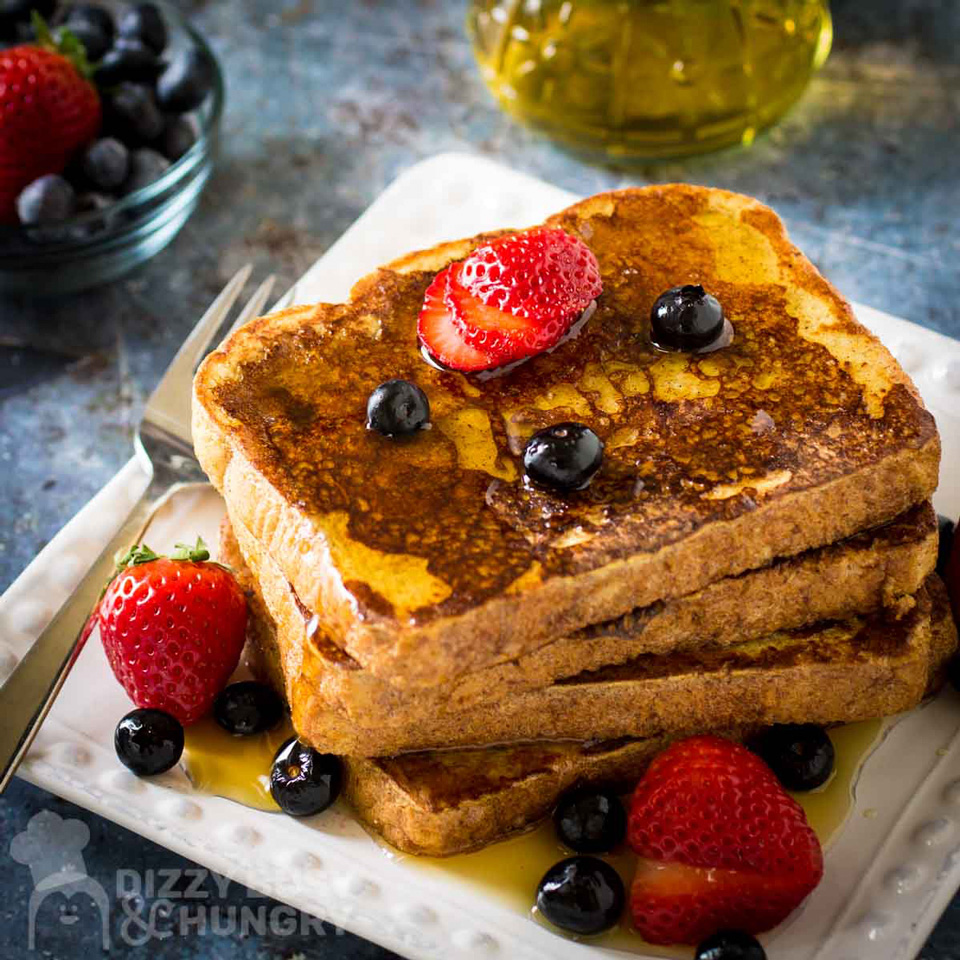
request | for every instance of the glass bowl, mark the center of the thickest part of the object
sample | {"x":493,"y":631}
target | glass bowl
{"x":94,"y":248}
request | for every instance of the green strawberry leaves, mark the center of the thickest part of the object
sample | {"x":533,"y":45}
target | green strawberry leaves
{"x":65,"y":43}
{"x":196,"y":554}
{"x":135,"y":555}
{"x":141,"y":553}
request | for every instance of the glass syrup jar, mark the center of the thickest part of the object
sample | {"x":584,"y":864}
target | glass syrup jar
{"x":636,"y":79}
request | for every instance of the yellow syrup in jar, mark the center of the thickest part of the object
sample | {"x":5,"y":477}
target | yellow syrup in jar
{"x":649,"y":78}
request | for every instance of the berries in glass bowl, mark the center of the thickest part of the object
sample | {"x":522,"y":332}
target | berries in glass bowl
{"x":150,"y":93}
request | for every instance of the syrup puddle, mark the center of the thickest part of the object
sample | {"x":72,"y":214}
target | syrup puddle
{"x":238,"y":768}
{"x":510,"y":870}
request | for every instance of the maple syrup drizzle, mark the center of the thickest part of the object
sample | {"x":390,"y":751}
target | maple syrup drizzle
{"x":238,"y":768}
{"x":511,"y":870}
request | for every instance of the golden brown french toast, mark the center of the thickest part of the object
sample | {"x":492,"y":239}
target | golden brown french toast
{"x":865,"y":666}
{"x":843,"y":672}
{"x":428,"y":558}
{"x":443,"y":802}
{"x":881,"y":567}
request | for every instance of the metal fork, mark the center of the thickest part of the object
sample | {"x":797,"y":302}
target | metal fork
{"x":164,"y":449}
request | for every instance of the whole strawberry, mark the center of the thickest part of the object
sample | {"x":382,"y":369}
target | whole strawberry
{"x":48,"y":110}
{"x":173,"y":629}
{"x":722,"y":845}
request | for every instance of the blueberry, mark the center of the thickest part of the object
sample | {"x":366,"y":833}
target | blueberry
{"x":106,"y":163}
{"x":800,"y":754}
{"x":247,"y":707}
{"x":144,"y":22}
{"x":953,"y":672}
{"x":99,"y":18}
{"x":186,"y":81}
{"x":581,"y":895}
{"x":946,"y":529}
{"x":178,"y":136}
{"x":25,"y":32}
{"x":590,"y":821}
{"x":14,"y":13}
{"x":18,"y":11}
{"x":304,"y":781}
{"x":95,"y":42}
{"x":146,"y":166}
{"x":730,"y":945}
{"x":396,"y":408}
{"x":148,"y":741}
{"x":132,"y":114}
{"x":564,"y":457}
{"x":686,"y":318}
{"x":127,"y":60}
{"x":49,"y":199}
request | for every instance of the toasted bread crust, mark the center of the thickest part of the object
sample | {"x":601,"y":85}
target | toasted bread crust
{"x":475,"y":574}
{"x":453,"y":801}
{"x":439,"y":803}
{"x":448,"y":802}
{"x":838,"y":676}
{"x":826,"y":673}
{"x":882,"y":568}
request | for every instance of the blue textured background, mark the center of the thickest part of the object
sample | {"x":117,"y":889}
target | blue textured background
{"x":327,"y":103}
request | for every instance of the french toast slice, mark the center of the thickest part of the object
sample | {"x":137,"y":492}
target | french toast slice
{"x":881,"y":567}
{"x":846,"y":671}
{"x":444,"y":802}
{"x":429,"y":559}
{"x":860,"y":667}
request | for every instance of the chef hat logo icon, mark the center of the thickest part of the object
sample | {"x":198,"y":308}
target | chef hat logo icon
{"x":53,"y":850}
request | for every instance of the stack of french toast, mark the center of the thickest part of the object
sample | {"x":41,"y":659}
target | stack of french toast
{"x":757,"y":547}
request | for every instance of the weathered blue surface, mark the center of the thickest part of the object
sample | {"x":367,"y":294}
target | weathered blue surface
{"x":328,"y":102}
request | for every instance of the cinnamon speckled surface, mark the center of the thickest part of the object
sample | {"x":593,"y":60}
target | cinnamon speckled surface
{"x":327,"y":103}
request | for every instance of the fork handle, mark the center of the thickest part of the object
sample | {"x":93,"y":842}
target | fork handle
{"x":29,"y":692}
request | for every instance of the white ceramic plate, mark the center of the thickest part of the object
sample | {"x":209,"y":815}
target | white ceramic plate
{"x":889,"y":873}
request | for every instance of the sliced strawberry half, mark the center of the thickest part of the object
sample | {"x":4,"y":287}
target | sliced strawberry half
{"x":721,"y":844}
{"x":500,"y":334}
{"x":540,"y":274}
{"x":441,"y":336}
{"x":510,"y":299}
{"x":675,"y":903}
